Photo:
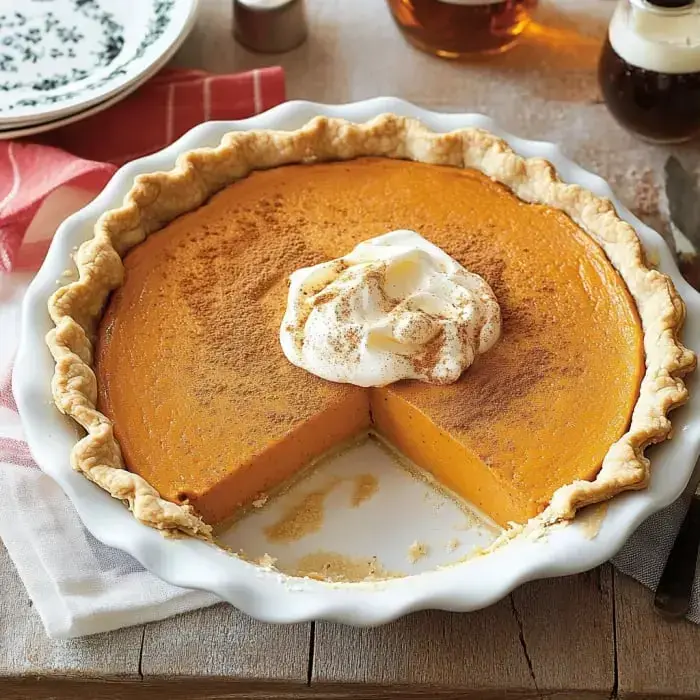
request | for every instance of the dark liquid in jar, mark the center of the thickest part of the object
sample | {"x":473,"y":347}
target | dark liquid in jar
{"x":454,"y":31}
{"x":661,"y":107}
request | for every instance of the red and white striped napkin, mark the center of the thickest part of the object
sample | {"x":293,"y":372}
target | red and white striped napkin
{"x":77,"y":585}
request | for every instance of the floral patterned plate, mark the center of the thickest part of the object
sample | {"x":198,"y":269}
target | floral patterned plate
{"x":58,"y":57}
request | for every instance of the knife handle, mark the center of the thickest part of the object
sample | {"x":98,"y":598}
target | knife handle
{"x":675,"y":587}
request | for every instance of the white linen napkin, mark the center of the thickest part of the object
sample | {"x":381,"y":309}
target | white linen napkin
{"x":78,"y":585}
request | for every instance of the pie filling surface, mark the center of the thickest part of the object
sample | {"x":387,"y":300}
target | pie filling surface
{"x":209,"y":411}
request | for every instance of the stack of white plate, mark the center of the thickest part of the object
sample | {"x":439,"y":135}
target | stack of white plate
{"x":64,"y":60}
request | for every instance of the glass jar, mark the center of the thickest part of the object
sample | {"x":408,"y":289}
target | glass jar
{"x":649,"y":69}
{"x":461,"y":28}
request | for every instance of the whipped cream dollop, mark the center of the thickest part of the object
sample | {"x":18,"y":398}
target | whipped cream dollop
{"x":396,"y":307}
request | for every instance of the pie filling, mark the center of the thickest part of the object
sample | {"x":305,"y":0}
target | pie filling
{"x":208,"y":409}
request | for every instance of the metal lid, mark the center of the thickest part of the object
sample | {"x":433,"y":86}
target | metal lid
{"x":269,"y":26}
{"x":672,"y":4}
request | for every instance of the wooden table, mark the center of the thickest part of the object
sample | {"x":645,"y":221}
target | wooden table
{"x":593,"y":635}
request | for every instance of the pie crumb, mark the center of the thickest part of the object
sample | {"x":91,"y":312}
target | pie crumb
{"x":366,"y":486}
{"x":452,"y":544}
{"x":260,"y":501}
{"x":417,"y":551}
{"x":266,"y":561}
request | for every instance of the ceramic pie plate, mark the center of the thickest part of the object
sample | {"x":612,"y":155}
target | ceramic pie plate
{"x":403,"y":511}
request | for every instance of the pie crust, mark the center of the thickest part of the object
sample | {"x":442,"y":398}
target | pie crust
{"x":157,"y":198}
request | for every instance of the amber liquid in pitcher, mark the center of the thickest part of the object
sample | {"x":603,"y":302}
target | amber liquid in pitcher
{"x":462,"y":28}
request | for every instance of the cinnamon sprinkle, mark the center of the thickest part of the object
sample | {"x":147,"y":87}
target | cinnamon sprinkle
{"x":426,"y":363}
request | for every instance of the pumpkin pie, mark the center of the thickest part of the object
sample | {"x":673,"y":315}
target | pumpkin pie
{"x":167,"y":346}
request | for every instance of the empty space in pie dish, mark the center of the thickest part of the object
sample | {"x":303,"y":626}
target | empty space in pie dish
{"x":361,"y":513}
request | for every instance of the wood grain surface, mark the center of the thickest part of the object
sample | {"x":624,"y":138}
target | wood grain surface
{"x":655,"y":657}
{"x":593,"y":635}
{"x":509,"y":646}
{"x":220,"y":642}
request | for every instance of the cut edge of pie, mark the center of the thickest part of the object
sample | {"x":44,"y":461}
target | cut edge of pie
{"x":157,"y":198}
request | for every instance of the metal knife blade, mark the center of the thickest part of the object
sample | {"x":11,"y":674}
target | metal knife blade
{"x":683,"y":195}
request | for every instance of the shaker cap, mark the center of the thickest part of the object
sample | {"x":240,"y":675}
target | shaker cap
{"x":672,"y":4}
{"x":269,"y":26}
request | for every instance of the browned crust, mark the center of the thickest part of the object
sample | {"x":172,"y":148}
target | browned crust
{"x":157,"y":198}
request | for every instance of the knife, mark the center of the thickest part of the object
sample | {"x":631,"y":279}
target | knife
{"x":674,"y":592}
{"x":683,"y":199}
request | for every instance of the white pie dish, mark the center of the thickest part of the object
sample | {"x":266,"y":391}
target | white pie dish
{"x":269,"y":595}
